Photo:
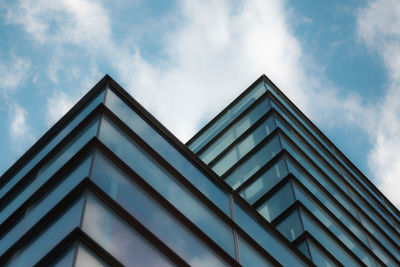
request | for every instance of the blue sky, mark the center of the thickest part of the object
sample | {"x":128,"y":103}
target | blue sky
{"x":339,"y":61}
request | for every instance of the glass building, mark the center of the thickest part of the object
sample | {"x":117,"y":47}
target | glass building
{"x":281,"y":164}
{"x":260,"y":185}
{"x":108,"y":185}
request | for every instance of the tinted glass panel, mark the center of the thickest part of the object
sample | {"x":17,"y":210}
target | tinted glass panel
{"x":117,"y":237}
{"x":337,"y":230}
{"x":226,"y":118}
{"x":322,"y":237}
{"x":244,"y":146}
{"x":38,"y":209}
{"x":319,"y":258}
{"x":303,"y":247}
{"x":291,"y":226}
{"x":86,"y":258}
{"x":249,"y":257}
{"x":167,"y":185}
{"x":277,"y":203}
{"x":235,"y":131}
{"x":49,"y":168}
{"x":247,"y":168}
{"x":54,"y":141}
{"x":266,"y":239}
{"x":35,"y":249}
{"x":265,"y":181}
{"x":66,"y":259}
{"x":150,"y":213}
{"x":168,"y":152}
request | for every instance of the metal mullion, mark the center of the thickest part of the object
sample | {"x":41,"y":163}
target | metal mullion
{"x":53,"y":130}
{"x":250,"y":153}
{"x":324,"y":161}
{"x":135,"y":224}
{"x":285,"y":213}
{"x":258,"y":173}
{"x":240,"y":138}
{"x":168,"y":206}
{"x":233,"y":103}
{"x":334,"y":237}
{"x":344,"y":227}
{"x":30,"y":174}
{"x":53,"y":180}
{"x":45,"y":220}
{"x":328,"y":179}
{"x":332,"y":198}
{"x":232,"y":123}
{"x":308,"y":237}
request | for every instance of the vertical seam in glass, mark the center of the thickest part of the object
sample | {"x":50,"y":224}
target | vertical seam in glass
{"x":235,"y":234}
{"x":76,"y":245}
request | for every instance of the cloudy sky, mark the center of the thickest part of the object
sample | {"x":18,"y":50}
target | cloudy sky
{"x":339,"y":61}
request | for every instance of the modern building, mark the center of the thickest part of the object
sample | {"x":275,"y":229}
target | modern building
{"x":280,"y":163}
{"x":260,"y":185}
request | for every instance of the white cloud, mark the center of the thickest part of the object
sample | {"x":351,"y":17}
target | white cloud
{"x":13,"y":73}
{"x":379,"y":27}
{"x":19,"y":131}
{"x":57,"y":105}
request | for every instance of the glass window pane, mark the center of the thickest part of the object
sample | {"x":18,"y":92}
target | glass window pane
{"x":49,"y":168}
{"x":244,"y":146}
{"x":48,"y":238}
{"x":277,"y":203}
{"x":86,"y":258}
{"x":319,"y":258}
{"x":253,"y":163}
{"x":151,"y":214}
{"x":303,"y":247}
{"x":54,"y":141}
{"x":249,"y":257}
{"x":235,"y":131}
{"x":118,"y":238}
{"x":43,"y":205}
{"x":228,"y":117}
{"x":291,"y":226}
{"x":265,"y":182}
{"x":167,"y":185}
{"x":217,"y":195}
{"x":327,"y":241}
{"x":266,"y":239}
{"x":66,"y":259}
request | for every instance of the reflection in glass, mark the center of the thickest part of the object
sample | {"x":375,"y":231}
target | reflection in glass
{"x":49,"y":237}
{"x":319,"y":258}
{"x":217,"y":195}
{"x":277,"y":203}
{"x":167,"y":185}
{"x":252,"y":164}
{"x":49,"y":168}
{"x":117,"y":237}
{"x":244,"y":146}
{"x":265,"y":181}
{"x":235,"y":131}
{"x":227,"y":117}
{"x":291,"y":226}
{"x":54,"y":141}
{"x":43,"y":205}
{"x":66,"y":259}
{"x":150,"y":213}
{"x":266,"y":239}
{"x":249,"y":257}
{"x":86,"y":258}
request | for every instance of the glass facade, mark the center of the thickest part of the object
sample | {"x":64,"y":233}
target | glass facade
{"x":283,"y":166}
{"x":108,"y":185}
